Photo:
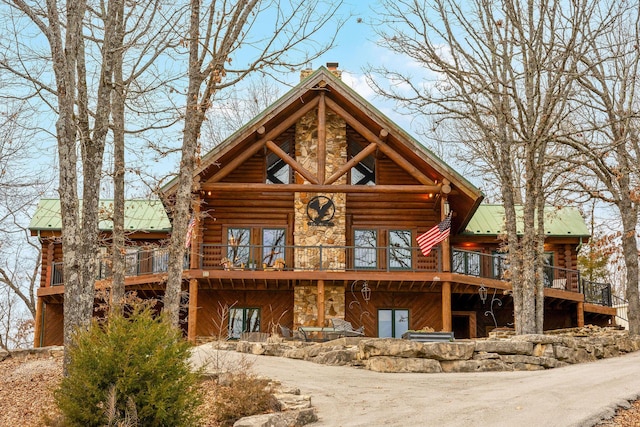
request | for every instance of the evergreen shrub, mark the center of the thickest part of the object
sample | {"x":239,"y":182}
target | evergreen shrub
{"x":139,"y":363}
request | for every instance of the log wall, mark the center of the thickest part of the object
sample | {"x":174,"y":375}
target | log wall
{"x":276,"y":307}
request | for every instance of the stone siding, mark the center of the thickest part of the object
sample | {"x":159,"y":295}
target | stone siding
{"x":305,"y":301}
{"x":308,"y":237}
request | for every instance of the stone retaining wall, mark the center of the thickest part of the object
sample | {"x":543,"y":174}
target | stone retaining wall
{"x":40,"y":352}
{"x":515,"y":353}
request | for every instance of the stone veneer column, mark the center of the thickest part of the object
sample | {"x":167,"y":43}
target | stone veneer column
{"x":313,"y":236}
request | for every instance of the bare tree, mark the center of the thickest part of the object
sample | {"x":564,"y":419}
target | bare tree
{"x":87,"y":42}
{"x":228,"y":41}
{"x":604,"y":149}
{"x":234,"y":108}
{"x":21,"y":186}
{"x":505,"y":70}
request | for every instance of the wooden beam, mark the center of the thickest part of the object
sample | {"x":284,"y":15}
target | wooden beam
{"x":369,"y":149}
{"x":600,"y":309}
{"x":312,"y":188}
{"x":447,"y":322}
{"x":47,"y":276}
{"x":256,"y":146}
{"x":194,"y":246}
{"x":580,"y":309}
{"x":321,"y":303}
{"x":446,"y":244}
{"x":322,"y":138}
{"x":291,"y":162}
{"x":371,"y":137}
{"x":193,"y":311}
{"x":37,"y":329}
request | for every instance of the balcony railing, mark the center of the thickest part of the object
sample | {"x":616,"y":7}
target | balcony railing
{"x":347,"y":258}
{"x":597,"y":293}
{"x":478,"y":264}
{"x":318,"y":258}
{"x":137,"y":263}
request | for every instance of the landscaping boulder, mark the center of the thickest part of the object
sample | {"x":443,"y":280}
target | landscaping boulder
{"x":505,"y":347}
{"x":280,"y":419}
{"x":476,"y":365}
{"x":336,"y":357}
{"x":402,"y":364}
{"x":459,"y":350}
{"x":389,"y":347}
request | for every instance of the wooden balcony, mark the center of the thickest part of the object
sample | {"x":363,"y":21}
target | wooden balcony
{"x":385,"y":264}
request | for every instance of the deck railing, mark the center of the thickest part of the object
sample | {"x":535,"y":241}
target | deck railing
{"x":622,"y":306}
{"x":597,"y":293}
{"x":348,"y":258}
{"x":318,"y":258}
{"x":137,"y":263}
{"x":478,"y":264}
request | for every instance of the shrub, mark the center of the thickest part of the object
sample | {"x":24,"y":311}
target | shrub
{"x":244,"y":395}
{"x":136,"y":364}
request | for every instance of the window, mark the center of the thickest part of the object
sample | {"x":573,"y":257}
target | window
{"x":160,"y":260}
{"x":465,"y":262}
{"x":243,"y":320}
{"x":547,"y":260}
{"x":238,"y":245}
{"x":278,"y":171}
{"x":273,"y":241}
{"x":105,"y":263}
{"x":400,"y":249}
{"x":499,"y":265}
{"x":364,"y":173}
{"x":392,"y":323}
{"x":131,"y":262}
{"x":365,"y":242}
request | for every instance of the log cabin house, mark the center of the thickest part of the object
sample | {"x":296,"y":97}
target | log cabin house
{"x":311,"y":212}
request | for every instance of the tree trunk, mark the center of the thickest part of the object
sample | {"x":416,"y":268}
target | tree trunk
{"x":629,"y":216}
{"x":194,"y":116}
{"x":116,"y":10}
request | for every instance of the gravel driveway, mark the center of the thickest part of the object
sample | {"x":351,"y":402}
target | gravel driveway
{"x":578,"y":395}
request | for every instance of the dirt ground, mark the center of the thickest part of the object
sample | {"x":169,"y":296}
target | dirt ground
{"x":26,"y":392}
{"x":27,"y":384}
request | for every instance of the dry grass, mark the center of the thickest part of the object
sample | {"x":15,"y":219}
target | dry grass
{"x":26,"y":393}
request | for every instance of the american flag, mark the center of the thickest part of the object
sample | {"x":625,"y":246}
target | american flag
{"x":192,"y":224}
{"x":437,"y":234}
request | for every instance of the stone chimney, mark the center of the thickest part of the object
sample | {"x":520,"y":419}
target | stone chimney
{"x":333,"y":67}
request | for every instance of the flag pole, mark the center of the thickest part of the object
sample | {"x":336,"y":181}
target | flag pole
{"x":447,"y":315}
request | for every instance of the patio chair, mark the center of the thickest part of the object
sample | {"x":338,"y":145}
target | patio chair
{"x":346,"y":328}
{"x":288,"y":334}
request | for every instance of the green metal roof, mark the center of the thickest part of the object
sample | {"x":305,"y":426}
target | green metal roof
{"x":559,"y":221}
{"x":139,"y":215}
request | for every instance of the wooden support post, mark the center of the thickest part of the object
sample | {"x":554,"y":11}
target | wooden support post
{"x":447,"y":323}
{"x":291,"y":162}
{"x":322,"y":139}
{"x":320,"y":302}
{"x":37,"y":330}
{"x":49,"y":269}
{"x":369,"y":149}
{"x":446,"y":244}
{"x":194,"y":254}
{"x":193,"y":311}
{"x":580,"y":314}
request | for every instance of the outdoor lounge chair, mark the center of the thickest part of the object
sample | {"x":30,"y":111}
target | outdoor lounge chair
{"x":346,"y":328}
{"x":288,"y":334}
